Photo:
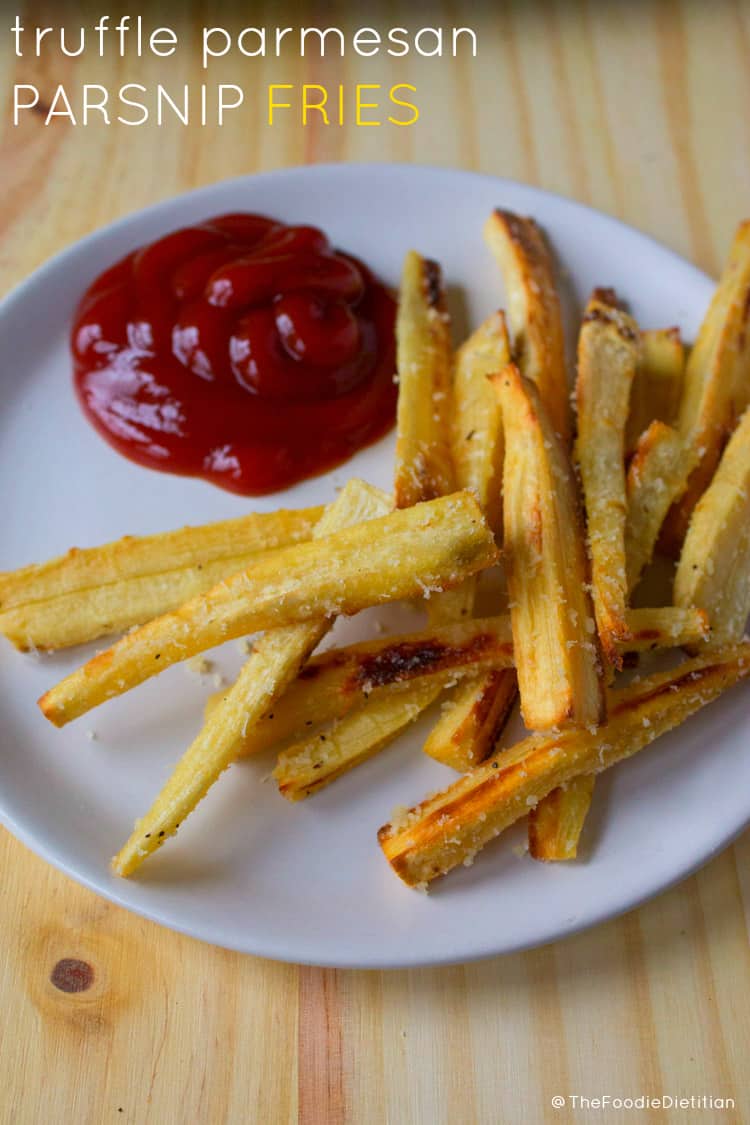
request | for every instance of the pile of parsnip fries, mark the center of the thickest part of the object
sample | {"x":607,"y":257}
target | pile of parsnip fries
{"x":493,"y":469}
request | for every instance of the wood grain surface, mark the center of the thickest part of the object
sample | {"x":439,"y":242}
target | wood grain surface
{"x":640,"y":109}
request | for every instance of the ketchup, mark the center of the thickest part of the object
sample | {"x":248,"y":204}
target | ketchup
{"x":242,"y":350}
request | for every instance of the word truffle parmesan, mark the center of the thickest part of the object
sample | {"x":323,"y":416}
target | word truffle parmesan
{"x":131,"y":35}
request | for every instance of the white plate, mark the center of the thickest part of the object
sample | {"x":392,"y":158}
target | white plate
{"x":307,"y":882}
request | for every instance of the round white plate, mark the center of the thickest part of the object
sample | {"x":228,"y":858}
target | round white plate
{"x":307,"y":882}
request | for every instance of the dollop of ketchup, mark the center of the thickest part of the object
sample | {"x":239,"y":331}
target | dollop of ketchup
{"x":241,"y":350}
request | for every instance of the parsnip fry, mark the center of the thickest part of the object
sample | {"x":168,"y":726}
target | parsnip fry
{"x":667,"y":627}
{"x":319,"y":759}
{"x":556,"y":823}
{"x":657,"y":477}
{"x":524,"y":259}
{"x":473,"y":718}
{"x":536,"y":324}
{"x":557,"y":660}
{"x":657,"y":386}
{"x":474,"y":715}
{"x":714,"y":567}
{"x":717,"y":380}
{"x":146,"y":555}
{"x":558,"y":667}
{"x":275,"y":661}
{"x":87,"y":615}
{"x":431,"y":546}
{"x":450,"y":828}
{"x":93,"y":591}
{"x":337,"y":681}
{"x":423,"y":456}
{"x":477,"y":423}
{"x":424,"y":463}
{"x":608,"y":351}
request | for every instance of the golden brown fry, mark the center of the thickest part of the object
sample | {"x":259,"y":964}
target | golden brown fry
{"x":477,"y":423}
{"x":337,"y":681}
{"x":667,"y":627}
{"x":318,"y":759}
{"x":431,"y":546}
{"x":717,"y":380}
{"x":370,"y":665}
{"x":657,"y":477}
{"x":424,"y":465}
{"x":524,"y":259}
{"x":547,"y":568}
{"x":473,"y":718}
{"x":536,"y":322}
{"x":94,"y":591}
{"x":275,"y":661}
{"x":451,"y":827}
{"x":464,"y":737}
{"x":608,"y":350}
{"x":657,"y":386}
{"x":556,"y":656}
{"x":556,"y":823}
{"x":423,"y":456}
{"x":714,"y":567}
{"x":146,"y":555}
{"x":86,"y":615}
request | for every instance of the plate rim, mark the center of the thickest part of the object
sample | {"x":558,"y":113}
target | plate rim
{"x":284,"y":955}
{"x":107,"y":888}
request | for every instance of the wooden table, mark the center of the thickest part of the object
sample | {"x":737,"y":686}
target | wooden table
{"x":640,"y":109}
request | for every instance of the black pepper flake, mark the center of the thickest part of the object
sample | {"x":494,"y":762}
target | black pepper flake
{"x":158,"y":656}
{"x":470,"y":435}
{"x":322,"y":738}
{"x":308,"y":722}
{"x":270,"y":714}
{"x":148,"y":835}
{"x":495,"y":766}
{"x":162,"y":832}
